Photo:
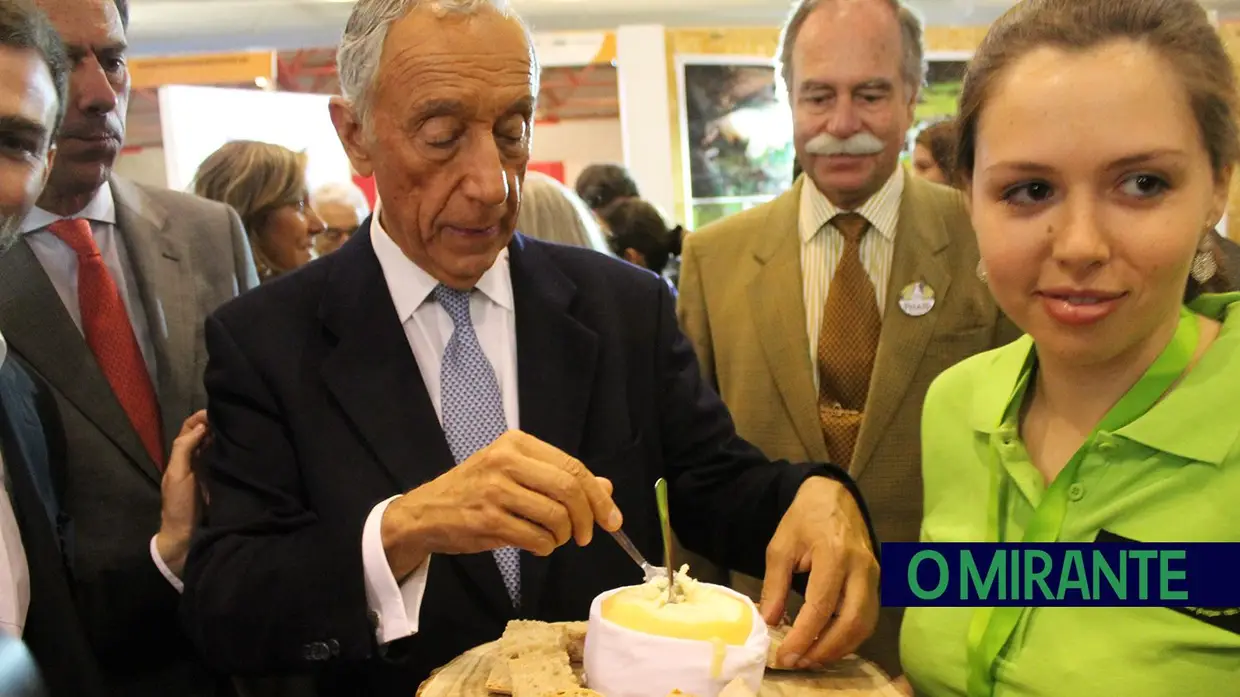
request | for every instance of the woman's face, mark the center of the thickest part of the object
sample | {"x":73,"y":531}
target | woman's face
{"x":287,"y":235}
{"x":1091,"y":192}
{"x":925,"y":166}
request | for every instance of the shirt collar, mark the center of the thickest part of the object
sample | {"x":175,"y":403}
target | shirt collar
{"x":1200,"y":398}
{"x":101,"y":209}
{"x":881,"y":210}
{"x":410,"y":285}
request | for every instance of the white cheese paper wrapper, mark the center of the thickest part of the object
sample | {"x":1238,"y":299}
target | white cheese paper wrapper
{"x":620,"y":662}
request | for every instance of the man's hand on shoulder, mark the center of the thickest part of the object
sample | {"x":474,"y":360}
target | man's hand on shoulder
{"x":823,"y":533}
{"x":517,"y":492}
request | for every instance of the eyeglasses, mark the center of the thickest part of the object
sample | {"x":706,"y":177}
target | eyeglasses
{"x":338,"y":233}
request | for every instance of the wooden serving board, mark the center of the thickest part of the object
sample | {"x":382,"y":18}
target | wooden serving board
{"x":466,"y":676}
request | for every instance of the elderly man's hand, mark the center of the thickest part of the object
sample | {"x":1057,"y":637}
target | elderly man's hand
{"x":823,"y":533}
{"x":517,"y":492}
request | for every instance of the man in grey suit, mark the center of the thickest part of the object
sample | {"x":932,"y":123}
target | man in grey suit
{"x":105,"y":301}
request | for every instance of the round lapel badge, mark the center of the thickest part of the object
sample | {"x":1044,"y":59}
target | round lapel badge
{"x":916,"y":299}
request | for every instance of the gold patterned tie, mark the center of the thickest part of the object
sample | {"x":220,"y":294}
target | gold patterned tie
{"x":847,"y":342}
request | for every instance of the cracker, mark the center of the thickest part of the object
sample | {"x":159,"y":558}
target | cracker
{"x":539,"y":675}
{"x":523,"y":638}
{"x":777,"y":635}
{"x":575,"y":640}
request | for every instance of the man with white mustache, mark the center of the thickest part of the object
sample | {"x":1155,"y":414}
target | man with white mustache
{"x":823,"y":316}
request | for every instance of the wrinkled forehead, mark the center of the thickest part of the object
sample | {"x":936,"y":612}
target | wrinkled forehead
{"x":425,"y":50}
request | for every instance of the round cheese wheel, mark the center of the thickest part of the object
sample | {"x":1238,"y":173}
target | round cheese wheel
{"x":703,"y":613}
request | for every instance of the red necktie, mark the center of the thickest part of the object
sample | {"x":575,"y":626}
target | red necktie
{"x":111,"y":337}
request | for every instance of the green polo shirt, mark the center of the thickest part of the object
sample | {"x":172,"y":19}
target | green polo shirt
{"x":1173,"y":475}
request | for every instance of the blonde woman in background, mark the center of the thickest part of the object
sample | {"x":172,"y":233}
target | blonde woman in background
{"x":343,"y":207}
{"x":266,"y":184}
{"x":552,"y":212}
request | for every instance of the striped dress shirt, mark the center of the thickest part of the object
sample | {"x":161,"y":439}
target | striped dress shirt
{"x":822,"y":244}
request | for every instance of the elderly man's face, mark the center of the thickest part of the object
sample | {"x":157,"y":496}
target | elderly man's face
{"x":851,"y":105}
{"x":452,"y":110}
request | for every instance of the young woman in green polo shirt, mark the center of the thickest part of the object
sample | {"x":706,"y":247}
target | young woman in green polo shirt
{"x":1097,"y":139}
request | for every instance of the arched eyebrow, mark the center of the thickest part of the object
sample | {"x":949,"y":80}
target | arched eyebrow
{"x":1123,"y":163}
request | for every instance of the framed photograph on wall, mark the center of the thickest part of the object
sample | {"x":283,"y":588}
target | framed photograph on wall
{"x":736,"y":135}
{"x":940,"y":96}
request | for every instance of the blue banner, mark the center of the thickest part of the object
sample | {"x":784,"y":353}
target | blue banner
{"x":1097,"y":574}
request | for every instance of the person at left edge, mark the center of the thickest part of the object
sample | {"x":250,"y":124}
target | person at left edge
{"x":37,"y":631}
{"x":392,"y":421}
{"x":104,"y":298}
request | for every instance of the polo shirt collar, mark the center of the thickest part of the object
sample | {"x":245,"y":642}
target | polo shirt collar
{"x":1200,"y":399}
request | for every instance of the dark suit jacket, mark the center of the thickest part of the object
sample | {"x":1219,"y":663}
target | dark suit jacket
{"x":31,"y":440}
{"x":319,"y":413}
{"x":188,"y":256}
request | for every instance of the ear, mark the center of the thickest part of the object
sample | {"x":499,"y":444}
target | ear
{"x":1222,"y":188}
{"x":352,"y":135}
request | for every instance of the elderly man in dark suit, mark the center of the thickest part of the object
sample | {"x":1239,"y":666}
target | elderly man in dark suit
{"x":408,"y":432}
{"x":104,"y":299}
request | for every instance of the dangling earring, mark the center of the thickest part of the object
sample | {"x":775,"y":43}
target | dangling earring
{"x":981,"y":271}
{"x":1204,"y":266}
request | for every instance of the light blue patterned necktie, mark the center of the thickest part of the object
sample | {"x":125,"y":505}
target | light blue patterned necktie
{"x":472,"y":407}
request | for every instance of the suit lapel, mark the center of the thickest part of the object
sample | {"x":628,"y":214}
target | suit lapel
{"x":374,"y":376}
{"x":37,"y":325}
{"x":921,"y":240}
{"x":160,"y":266}
{"x":778,"y":303}
{"x":556,"y":358}
{"x":373,"y":373}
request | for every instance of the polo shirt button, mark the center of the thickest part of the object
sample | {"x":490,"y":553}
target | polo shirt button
{"x":1076,"y":492}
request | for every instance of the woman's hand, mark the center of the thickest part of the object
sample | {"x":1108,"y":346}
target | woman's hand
{"x":181,"y":497}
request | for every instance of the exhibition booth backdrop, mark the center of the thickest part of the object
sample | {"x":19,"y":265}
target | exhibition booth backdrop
{"x":726,"y":142}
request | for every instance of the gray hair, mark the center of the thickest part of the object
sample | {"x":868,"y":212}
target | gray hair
{"x":357,"y":60}
{"x":552,"y":212}
{"x":912,"y":64}
{"x":345,"y":194}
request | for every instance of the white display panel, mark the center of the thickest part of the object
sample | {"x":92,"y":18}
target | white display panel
{"x":197,"y":120}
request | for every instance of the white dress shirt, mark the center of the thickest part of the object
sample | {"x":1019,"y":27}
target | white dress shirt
{"x":14,"y":574}
{"x":428,"y":327}
{"x":822,"y":245}
{"x":61,"y":264}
